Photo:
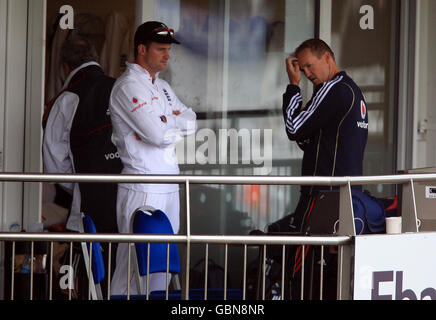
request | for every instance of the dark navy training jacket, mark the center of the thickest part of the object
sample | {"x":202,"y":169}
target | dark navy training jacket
{"x":332,"y":128}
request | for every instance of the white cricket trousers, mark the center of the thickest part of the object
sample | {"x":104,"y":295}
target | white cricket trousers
{"x":127,"y":202}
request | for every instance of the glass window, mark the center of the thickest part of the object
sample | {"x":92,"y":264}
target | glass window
{"x":364,"y":39}
{"x":425,"y":133}
{"x":109,"y":25}
{"x":230,"y":68}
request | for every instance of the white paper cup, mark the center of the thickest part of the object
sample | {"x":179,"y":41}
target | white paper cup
{"x":393,"y":225}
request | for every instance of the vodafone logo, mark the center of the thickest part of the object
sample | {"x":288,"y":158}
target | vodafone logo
{"x":134,"y":100}
{"x":362,"y":109}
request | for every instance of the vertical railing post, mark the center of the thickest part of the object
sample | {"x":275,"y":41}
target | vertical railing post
{"x":109,"y":268}
{"x":13,"y":271}
{"x":244,"y":280}
{"x":50,"y":297}
{"x":346,"y":213}
{"x":206,"y":270}
{"x":71,"y":276}
{"x":345,"y":253}
{"x":408,"y":208}
{"x":321,"y":272}
{"x":129,"y":246}
{"x":188,"y":239}
{"x":31,"y":268}
{"x":225,"y":269}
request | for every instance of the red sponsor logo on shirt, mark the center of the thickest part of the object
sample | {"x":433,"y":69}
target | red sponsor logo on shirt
{"x":138,"y":106}
{"x":362,"y":109}
{"x":134,"y":100}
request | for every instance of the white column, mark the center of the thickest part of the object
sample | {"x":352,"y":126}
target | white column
{"x":13,"y":29}
{"x":405,"y":114}
{"x":325,"y":21}
{"x":35,"y":79}
{"x":419,"y":109}
{"x":144,"y":11}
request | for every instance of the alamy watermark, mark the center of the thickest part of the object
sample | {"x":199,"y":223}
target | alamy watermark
{"x":67,"y":20}
{"x":224,"y":147}
{"x":66,"y":282}
{"x":367,"y":20}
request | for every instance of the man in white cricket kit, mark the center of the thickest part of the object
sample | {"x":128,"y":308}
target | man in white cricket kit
{"x":148,"y":120}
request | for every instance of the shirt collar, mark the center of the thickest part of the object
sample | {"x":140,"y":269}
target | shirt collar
{"x":137,"y":68}
{"x":340,"y":73}
{"x":72,"y":73}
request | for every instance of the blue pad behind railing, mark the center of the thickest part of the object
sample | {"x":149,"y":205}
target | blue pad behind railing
{"x":155,"y":223}
{"x":98,"y":272}
{"x":198,"y":294}
{"x":194,"y":294}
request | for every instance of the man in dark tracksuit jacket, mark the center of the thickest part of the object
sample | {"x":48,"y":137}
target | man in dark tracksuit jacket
{"x":332,"y":129}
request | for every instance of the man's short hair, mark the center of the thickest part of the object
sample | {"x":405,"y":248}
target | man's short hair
{"x":316,"y":46}
{"x":77,"y":50}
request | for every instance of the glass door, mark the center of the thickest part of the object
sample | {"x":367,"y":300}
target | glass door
{"x":230,"y":68}
{"x":364,"y":38}
{"x":425,"y":93}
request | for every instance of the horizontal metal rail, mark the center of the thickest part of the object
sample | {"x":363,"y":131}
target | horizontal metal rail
{"x":95,"y":290}
{"x":217,"y":239}
{"x":267,"y":180}
{"x":343,"y":240}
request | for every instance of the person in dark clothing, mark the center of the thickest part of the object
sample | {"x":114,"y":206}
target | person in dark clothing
{"x":77,"y":137}
{"x":331,"y":129}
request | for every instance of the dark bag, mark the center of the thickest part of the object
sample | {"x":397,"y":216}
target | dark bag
{"x":215,"y":275}
{"x":369,"y":213}
{"x":369,"y":217}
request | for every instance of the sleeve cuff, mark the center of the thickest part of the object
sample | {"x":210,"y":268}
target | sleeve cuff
{"x":171,"y":121}
{"x":291,"y":88}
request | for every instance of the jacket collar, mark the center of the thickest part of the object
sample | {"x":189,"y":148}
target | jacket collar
{"x":142,"y":71}
{"x":73,"y":73}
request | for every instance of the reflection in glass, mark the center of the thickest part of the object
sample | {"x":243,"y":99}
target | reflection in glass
{"x":369,"y":57}
{"x":230,"y":69}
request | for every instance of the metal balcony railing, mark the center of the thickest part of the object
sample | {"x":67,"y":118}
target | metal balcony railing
{"x":343,"y":240}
